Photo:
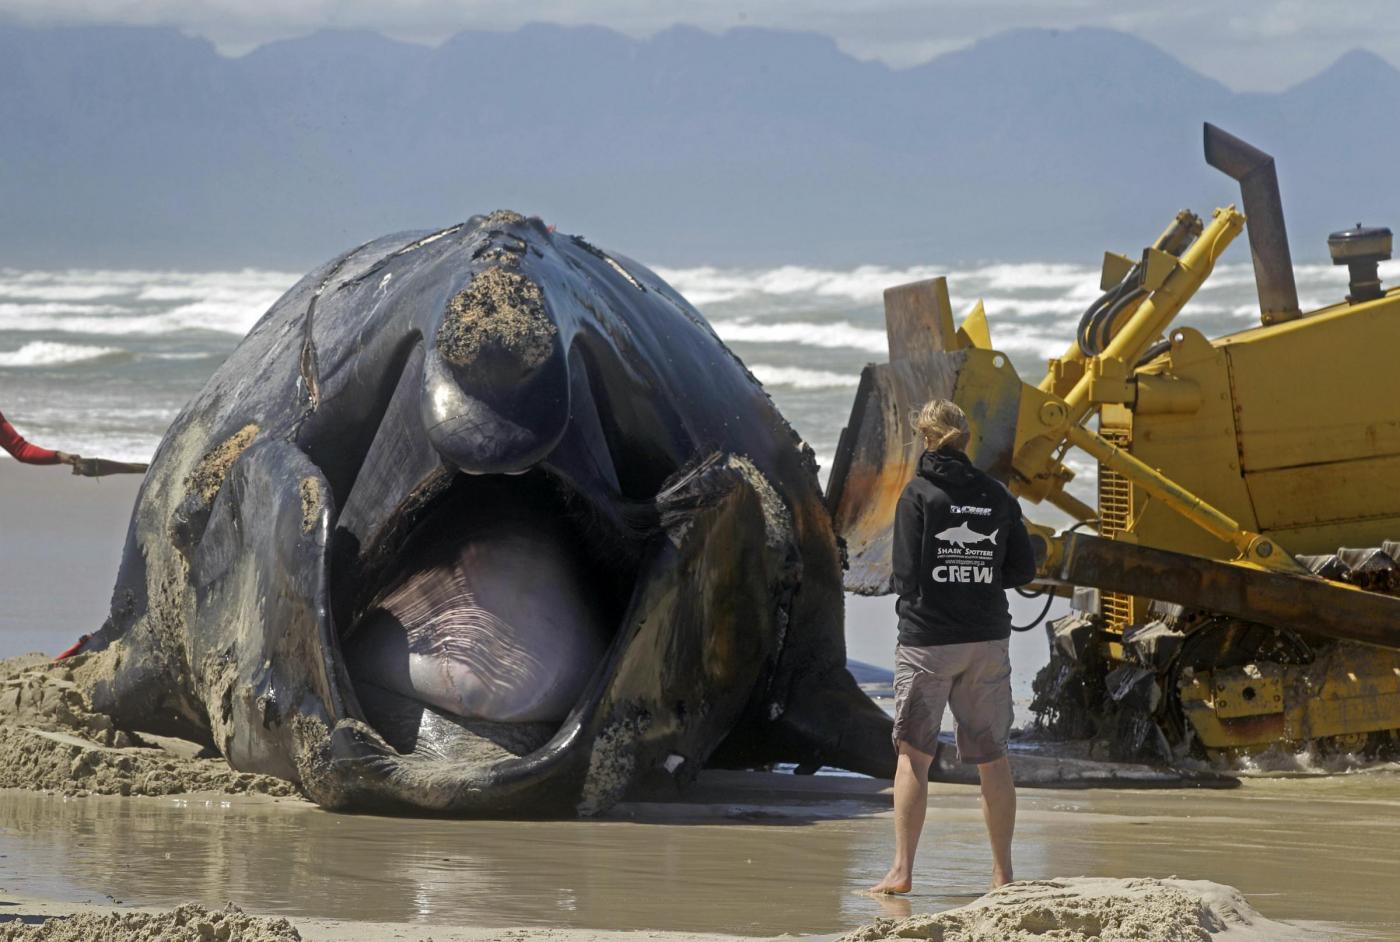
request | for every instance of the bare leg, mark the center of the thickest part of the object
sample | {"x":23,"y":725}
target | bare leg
{"x":910,"y":805}
{"x":999,"y":811}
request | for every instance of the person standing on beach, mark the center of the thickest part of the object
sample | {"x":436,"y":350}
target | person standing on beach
{"x":959,"y":542}
{"x":25,"y":453}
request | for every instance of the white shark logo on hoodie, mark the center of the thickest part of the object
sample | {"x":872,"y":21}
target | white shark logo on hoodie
{"x":962,"y":534}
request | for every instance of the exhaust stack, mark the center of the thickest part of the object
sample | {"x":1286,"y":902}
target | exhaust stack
{"x":1268,"y":236}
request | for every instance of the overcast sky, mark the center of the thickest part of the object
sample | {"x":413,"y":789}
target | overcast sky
{"x":1247,"y":44}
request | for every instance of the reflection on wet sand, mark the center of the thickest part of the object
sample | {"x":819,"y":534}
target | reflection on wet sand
{"x":766,"y":861}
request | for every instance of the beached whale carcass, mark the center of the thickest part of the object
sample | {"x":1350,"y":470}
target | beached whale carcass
{"x":485,"y":521}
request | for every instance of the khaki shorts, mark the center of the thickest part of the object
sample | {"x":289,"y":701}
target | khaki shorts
{"x":974,"y":679}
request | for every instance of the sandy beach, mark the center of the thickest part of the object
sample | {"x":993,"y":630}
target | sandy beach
{"x":738,"y":854}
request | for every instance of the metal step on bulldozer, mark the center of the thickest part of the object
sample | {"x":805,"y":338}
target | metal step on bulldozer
{"x":1237,"y":588}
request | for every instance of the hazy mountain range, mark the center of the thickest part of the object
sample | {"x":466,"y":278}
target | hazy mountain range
{"x":144,"y":147}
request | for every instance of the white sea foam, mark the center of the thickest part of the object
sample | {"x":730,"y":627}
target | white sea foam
{"x":796,"y":377}
{"x":222,"y":286}
{"x":710,"y":285}
{"x":1043,"y":342}
{"x":235,"y":316}
{"x":58,"y":292}
{"x":127,"y":414}
{"x":124,"y":278}
{"x":44,"y":353}
{"x":146,"y":303}
{"x":225,"y":315}
{"x":115,"y":447}
{"x":833,"y":335}
{"x":1028,"y":276}
{"x":17,"y":312}
{"x":867,"y":283}
{"x":1050,"y":286}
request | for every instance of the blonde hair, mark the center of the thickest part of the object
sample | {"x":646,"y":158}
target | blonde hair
{"x":942,"y":422}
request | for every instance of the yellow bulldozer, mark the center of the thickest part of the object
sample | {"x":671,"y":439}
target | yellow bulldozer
{"x":1237,"y":588}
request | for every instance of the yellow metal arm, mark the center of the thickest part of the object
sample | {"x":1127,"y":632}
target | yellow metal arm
{"x":1156,"y":313}
{"x":1046,"y":419}
{"x":1063,"y":371}
{"x":1054,"y":421}
{"x":1253,"y":547}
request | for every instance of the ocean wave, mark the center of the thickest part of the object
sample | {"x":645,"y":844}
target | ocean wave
{"x":234,"y":317}
{"x":134,"y":447}
{"x":1034,"y":285}
{"x":135,"y":302}
{"x":1042,"y":340}
{"x":130,"y":280}
{"x":216,"y":286}
{"x":59,"y":292}
{"x":867,"y":283}
{"x":796,"y":377}
{"x":44,"y":353}
{"x":804,"y":333}
{"x":22,"y":310}
{"x":126,"y":278}
{"x":1306,"y":302}
{"x":126,"y":417}
{"x":710,"y":285}
{"x":1022,"y":276}
{"x":224,"y":315}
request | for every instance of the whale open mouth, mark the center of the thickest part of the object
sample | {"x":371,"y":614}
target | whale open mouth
{"x":491,"y":611}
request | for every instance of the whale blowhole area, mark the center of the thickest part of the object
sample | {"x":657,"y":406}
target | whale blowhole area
{"x":502,"y":217}
{"x":499,"y":312}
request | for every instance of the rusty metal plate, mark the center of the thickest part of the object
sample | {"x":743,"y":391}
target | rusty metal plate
{"x":877,"y":456}
{"x":1251,"y":690}
{"x":878,"y":451}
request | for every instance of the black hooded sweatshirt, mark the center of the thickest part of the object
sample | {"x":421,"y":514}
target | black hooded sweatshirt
{"x":959,"y":543}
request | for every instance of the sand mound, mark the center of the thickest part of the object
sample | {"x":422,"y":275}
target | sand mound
{"x":188,"y":923}
{"x":51,"y":741}
{"x":1098,"y":908}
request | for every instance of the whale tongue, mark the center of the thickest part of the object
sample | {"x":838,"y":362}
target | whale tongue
{"x":490,"y":618}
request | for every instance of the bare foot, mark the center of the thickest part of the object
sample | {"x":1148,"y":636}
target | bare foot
{"x":896,"y":881}
{"x":1000,"y":879}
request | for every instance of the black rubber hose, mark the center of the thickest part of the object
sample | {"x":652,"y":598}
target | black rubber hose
{"x":1153,"y":352}
{"x":1043,"y":612}
{"x":1099,"y":316}
{"x":1051,"y":600}
{"x":1099,"y":330}
{"x":1081,"y":334}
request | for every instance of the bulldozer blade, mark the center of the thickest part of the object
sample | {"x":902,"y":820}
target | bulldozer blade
{"x":1303,"y":603}
{"x":879,"y":452}
{"x":876,"y":457}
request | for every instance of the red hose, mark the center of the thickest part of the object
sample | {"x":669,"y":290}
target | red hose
{"x":75,"y":648}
